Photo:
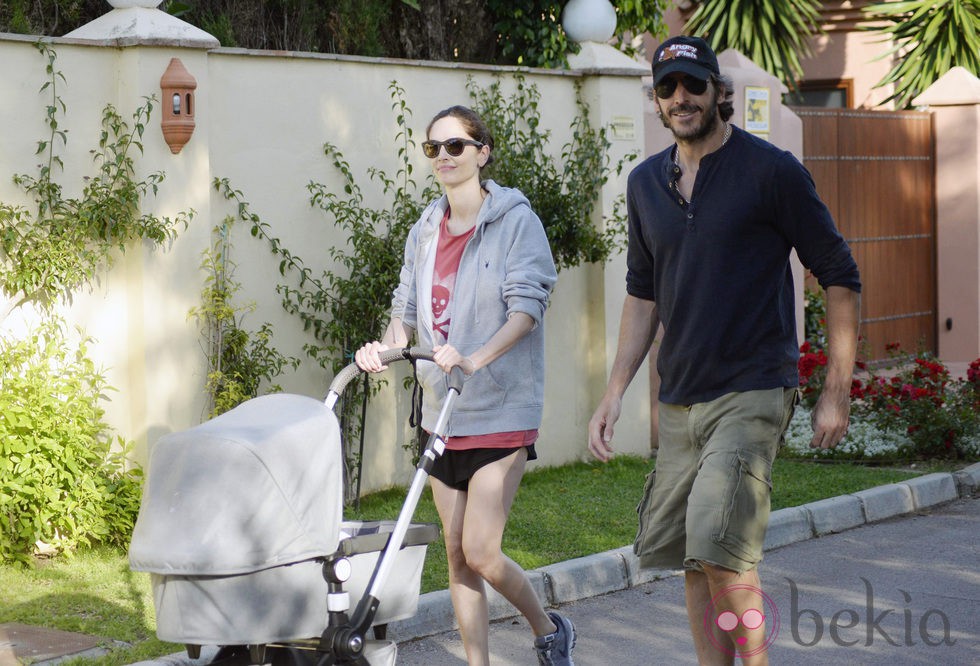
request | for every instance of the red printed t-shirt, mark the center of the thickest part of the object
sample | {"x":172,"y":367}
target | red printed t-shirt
{"x":448,"y":253}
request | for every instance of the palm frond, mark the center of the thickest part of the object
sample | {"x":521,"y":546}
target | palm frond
{"x":928,"y":39}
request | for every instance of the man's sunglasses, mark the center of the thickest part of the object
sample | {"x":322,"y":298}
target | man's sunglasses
{"x":453,"y":146}
{"x":665,"y":89}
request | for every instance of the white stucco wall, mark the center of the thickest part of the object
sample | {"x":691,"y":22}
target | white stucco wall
{"x":261,"y":121}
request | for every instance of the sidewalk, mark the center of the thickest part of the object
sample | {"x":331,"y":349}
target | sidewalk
{"x":904,"y":591}
{"x":884,"y":593}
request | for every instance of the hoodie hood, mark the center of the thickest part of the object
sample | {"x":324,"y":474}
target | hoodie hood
{"x":499,"y":202}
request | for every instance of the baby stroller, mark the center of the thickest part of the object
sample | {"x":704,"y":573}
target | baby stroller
{"x":240,"y":529}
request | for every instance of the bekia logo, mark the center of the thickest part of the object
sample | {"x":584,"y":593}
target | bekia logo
{"x":844,"y":626}
{"x":755,"y":630}
{"x":744,"y":635}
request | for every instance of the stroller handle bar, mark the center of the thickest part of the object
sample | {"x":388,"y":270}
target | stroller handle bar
{"x":348,"y":373}
{"x":368,"y":605}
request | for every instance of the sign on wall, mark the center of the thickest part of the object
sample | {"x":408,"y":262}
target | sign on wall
{"x":757,"y":111}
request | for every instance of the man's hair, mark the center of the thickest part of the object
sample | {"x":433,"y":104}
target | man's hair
{"x":725,"y":108}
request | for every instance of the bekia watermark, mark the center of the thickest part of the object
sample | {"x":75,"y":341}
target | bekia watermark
{"x":755,"y":629}
{"x":933,"y":627}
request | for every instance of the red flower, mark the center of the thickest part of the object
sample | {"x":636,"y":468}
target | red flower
{"x":857,"y":390}
{"x":973,"y":373}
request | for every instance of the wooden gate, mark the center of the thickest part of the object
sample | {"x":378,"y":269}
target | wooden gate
{"x":875,"y":171}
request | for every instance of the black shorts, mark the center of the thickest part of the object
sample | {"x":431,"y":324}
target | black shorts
{"x":455,"y":468}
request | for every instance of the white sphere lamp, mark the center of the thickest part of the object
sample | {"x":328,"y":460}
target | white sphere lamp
{"x":589,"y":20}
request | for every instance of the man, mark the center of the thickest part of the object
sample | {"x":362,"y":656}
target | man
{"x":712,"y":221}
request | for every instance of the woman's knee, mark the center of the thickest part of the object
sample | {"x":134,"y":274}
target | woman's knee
{"x":481,"y":557}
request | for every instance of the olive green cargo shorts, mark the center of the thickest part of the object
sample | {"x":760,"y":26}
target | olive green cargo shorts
{"x":708,"y":498}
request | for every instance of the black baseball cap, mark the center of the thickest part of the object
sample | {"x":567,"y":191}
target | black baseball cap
{"x":690,"y":55}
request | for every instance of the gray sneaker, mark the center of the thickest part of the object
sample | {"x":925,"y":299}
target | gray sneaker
{"x":556,"y":649}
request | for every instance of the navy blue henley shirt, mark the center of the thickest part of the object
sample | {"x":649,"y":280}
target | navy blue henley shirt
{"x":718,"y":268}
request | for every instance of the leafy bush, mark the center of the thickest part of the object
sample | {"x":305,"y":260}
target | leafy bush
{"x":910,"y":408}
{"x":939,"y":414}
{"x":60,"y":481}
{"x":63,"y":480}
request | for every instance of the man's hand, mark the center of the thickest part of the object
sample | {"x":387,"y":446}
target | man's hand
{"x":601,"y":427}
{"x":830,"y":418}
{"x":831,"y":414}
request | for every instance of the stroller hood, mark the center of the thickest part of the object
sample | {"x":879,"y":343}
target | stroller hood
{"x":257,"y":487}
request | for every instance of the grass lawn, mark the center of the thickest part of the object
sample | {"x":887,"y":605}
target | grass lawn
{"x":560,"y":513}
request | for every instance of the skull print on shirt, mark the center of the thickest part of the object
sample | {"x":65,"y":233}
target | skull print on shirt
{"x":448,"y":254}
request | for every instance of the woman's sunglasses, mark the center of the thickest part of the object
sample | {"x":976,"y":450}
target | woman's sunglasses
{"x":665,"y":89}
{"x":453,"y":146}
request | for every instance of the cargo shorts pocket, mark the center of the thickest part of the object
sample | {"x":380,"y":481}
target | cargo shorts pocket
{"x":745,"y":506}
{"x":643,"y":514}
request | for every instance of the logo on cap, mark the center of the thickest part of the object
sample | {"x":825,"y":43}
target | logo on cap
{"x":679,"y":51}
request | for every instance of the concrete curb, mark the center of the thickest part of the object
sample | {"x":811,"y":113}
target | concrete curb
{"x":619,"y":569}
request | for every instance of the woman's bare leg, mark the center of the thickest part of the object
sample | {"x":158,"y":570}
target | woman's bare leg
{"x":465,"y":585}
{"x":491,"y":494}
{"x":473,"y":524}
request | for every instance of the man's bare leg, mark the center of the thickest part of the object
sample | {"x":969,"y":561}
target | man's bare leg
{"x":717,"y":583}
{"x":698,"y":596}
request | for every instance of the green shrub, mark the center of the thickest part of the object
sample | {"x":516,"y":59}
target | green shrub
{"x":63,"y":478}
{"x":61,"y":482}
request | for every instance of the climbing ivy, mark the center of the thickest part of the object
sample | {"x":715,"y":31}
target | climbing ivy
{"x":48,"y":253}
{"x":239,"y":360}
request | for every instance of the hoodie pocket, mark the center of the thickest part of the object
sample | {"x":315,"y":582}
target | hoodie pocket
{"x":482,"y":392}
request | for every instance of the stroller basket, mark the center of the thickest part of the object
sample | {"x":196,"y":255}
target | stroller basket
{"x":241,"y":531}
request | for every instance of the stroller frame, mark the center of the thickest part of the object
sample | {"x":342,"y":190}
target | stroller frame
{"x":344,"y":638}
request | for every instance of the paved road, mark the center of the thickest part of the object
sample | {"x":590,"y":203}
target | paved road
{"x":899,"y":592}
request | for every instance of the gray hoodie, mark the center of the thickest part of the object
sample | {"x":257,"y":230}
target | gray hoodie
{"x":506,"y":267}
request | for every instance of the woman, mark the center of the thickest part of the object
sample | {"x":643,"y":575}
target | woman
{"x":474,"y":287}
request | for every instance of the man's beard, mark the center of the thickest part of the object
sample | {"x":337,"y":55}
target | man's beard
{"x":709,"y":119}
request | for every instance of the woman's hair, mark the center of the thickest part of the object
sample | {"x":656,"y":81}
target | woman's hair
{"x":725,"y":108}
{"x":472,"y":123}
